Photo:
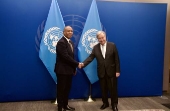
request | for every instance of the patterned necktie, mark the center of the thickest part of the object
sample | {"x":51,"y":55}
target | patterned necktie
{"x":70,"y":45}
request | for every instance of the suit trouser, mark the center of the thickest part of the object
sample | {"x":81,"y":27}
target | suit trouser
{"x":63,"y":88}
{"x":109,"y":84}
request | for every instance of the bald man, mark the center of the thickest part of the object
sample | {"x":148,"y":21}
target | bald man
{"x":65,"y":68}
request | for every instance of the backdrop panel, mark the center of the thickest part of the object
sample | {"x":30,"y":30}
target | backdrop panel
{"x":138,"y":30}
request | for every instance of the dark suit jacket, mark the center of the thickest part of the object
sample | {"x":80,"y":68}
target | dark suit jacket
{"x":110,"y":64}
{"x":65,"y":63}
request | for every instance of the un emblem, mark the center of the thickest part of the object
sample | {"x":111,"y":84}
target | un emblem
{"x":89,"y":40}
{"x":52,"y":36}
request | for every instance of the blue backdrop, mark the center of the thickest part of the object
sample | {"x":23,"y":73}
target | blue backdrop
{"x":138,"y":30}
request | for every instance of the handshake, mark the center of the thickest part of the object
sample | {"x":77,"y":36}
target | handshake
{"x":81,"y":65}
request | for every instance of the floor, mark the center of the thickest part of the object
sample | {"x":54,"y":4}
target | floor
{"x":125,"y":104}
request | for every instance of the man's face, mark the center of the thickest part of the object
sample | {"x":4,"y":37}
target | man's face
{"x":68,"y":32}
{"x":102,"y":39}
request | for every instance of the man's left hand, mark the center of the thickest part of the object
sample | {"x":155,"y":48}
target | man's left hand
{"x":117,"y":74}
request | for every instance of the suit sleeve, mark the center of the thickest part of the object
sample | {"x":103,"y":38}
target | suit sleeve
{"x":90,"y":58}
{"x":62,"y":50}
{"x":117,"y":59}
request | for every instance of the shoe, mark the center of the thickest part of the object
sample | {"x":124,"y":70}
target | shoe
{"x":104,"y":106}
{"x":69,"y":108}
{"x":114,"y":107}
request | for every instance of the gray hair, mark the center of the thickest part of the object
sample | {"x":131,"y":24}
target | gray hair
{"x":100,"y":32}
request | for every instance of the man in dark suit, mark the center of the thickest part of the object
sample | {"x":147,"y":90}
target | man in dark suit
{"x":108,"y":68}
{"x":65,"y":68}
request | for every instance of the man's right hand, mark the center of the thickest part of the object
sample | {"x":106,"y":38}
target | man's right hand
{"x":80,"y":65}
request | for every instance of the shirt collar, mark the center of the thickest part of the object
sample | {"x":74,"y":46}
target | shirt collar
{"x":104,"y":44}
{"x":67,"y":38}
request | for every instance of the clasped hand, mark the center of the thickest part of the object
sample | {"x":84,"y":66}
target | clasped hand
{"x":80,"y":65}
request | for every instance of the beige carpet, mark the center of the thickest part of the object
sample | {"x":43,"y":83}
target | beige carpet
{"x":145,"y":110}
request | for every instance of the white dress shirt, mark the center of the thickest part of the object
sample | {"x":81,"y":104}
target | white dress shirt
{"x":103,"y":49}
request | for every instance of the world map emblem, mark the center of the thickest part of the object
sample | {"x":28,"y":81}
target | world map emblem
{"x":51,"y":37}
{"x":89,"y":40}
{"x":75,"y":21}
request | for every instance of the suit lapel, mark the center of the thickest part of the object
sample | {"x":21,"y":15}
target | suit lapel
{"x":107,"y":50}
{"x":68,"y":45}
{"x":100,"y":52}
